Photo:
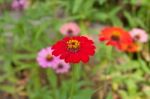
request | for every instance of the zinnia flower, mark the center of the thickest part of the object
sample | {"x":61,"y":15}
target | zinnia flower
{"x":74,"y":49}
{"x":130,"y":47}
{"x":62,"y":67}
{"x":70,"y":29}
{"x":139,"y":35}
{"x":115,"y":36}
{"x":46,"y":59}
{"x":19,"y":4}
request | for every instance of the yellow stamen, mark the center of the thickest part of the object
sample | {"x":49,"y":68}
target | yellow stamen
{"x":73,"y":45}
{"x":115,"y":35}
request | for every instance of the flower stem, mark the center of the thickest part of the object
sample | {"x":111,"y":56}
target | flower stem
{"x":72,"y":85}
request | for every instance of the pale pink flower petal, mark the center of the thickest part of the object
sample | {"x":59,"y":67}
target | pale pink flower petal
{"x":19,"y":4}
{"x":46,"y":59}
{"x":139,"y":35}
{"x":43,"y":53}
{"x":70,"y":29}
{"x":62,"y":67}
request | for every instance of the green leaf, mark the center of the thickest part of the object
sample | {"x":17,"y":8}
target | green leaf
{"x":102,"y":16}
{"x":144,"y":67}
{"x":116,"y":21}
{"x":8,"y":88}
{"x":84,"y":94}
{"x":109,"y":96}
{"x":101,"y":2}
{"x":114,"y":11}
{"x":41,"y":29}
{"x":76,"y":6}
{"x":130,"y":19}
{"x":132,"y":88}
{"x":52,"y":78}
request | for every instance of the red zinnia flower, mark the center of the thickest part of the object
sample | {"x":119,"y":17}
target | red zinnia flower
{"x":115,"y":36}
{"x":74,"y":49}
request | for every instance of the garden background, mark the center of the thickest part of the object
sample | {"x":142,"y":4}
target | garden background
{"x":109,"y":74}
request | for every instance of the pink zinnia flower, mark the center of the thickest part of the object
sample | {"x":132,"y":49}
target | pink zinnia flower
{"x":139,"y":35}
{"x":46,"y":59}
{"x":70,"y":29}
{"x":19,"y":4}
{"x":62,"y":67}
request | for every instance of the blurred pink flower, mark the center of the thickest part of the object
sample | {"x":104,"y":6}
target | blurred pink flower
{"x":62,"y":67}
{"x":19,"y":4}
{"x":139,"y":35}
{"x":46,"y":59}
{"x":70,"y":29}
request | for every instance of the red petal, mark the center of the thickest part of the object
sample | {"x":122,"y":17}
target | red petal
{"x":88,"y":49}
{"x":64,"y":55}
{"x":115,"y":44}
{"x":68,"y":58}
{"x":84,"y":58}
{"x":75,"y":58}
{"x":58,"y":52}
{"x":56,"y":45}
{"x":102,"y":39}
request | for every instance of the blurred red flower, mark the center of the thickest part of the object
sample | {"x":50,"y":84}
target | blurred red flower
{"x":130,"y":47}
{"x":115,"y":36}
{"x":74,"y":49}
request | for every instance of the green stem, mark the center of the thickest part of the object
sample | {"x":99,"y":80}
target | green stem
{"x":71,"y":93}
{"x":72,"y":85}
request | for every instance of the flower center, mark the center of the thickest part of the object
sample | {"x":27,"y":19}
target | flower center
{"x":129,"y":47}
{"x":60,"y":66}
{"x":49,"y":57}
{"x":69,"y":32}
{"x":137,"y":37}
{"x":115,"y":36}
{"x":73,"y":45}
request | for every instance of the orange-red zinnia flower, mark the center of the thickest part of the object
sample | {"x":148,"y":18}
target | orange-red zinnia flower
{"x":130,"y":47}
{"x":74,"y":49}
{"x":115,"y":36}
